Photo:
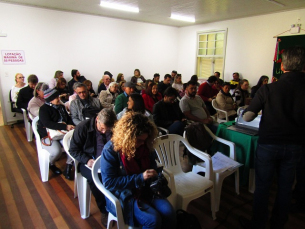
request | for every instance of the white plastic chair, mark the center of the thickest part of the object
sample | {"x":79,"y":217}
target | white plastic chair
{"x":190,"y":185}
{"x":27,"y":126}
{"x":81,"y":187}
{"x":43,"y":154}
{"x":214,"y":104}
{"x":219,"y":176}
{"x":118,"y":209}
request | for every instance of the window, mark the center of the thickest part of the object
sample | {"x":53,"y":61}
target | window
{"x":210,"y":53}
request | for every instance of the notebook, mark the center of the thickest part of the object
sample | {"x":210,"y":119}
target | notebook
{"x":250,"y":128}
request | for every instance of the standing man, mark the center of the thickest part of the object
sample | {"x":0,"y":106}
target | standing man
{"x":164,"y":84}
{"x":26,"y":94}
{"x":86,"y":145}
{"x":281,"y":135}
{"x":76,"y":77}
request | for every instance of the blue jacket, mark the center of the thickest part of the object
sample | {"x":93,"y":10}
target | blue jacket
{"x":116,"y":180}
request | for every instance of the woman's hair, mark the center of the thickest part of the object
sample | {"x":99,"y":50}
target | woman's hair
{"x":16,"y":76}
{"x":112,"y":84}
{"x":137,"y":71}
{"x":121,"y":83}
{"x":261,"y":80}
{"x":60,"y":81}
{"x":87,"y":83}
{"x":138,"y":103}
{"x":41,"y":86}
{"x":241,"y":82}
{"x":118,"y":78}
{"x":128,"y":128}
{"x":107,"y":117}
{"x":57,"y":74}
{"x":147,"y":82}
{"x":149,"y":89}
{"x":177,"y":76}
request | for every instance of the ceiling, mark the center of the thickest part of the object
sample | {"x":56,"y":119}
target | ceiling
{"x":159,"y":11}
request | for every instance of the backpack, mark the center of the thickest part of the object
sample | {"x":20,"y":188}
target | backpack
{"x":199,"y":138}
{"x":186,"y":220}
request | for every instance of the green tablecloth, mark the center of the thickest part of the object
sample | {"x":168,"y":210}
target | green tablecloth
{"x":245,"y":146}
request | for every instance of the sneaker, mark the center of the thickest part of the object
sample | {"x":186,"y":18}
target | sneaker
{"x":104,"y":219}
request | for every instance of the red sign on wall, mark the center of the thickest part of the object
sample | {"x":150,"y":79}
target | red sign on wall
{"x":13,"y":57}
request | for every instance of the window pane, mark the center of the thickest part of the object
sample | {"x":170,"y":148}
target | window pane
{"x":202,"y":44}
{"x":202,"y":52}
{"x":210,"y":51}
{"x":205,"y":67}
{"x":220,"y":36}
{"x":218,"y":65}
{"x":219,"y":44}
{"x":211,"y":37}
{"x":203,"y":37}
{"x":219,"y":51}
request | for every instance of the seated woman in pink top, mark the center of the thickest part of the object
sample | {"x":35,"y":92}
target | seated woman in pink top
{"x":151,"y":97}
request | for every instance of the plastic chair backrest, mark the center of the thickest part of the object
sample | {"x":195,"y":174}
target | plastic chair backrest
{"x":37,"y":136}
{"x":66,"y":142}
{"x":108,"y":194}
{"x":214,"y":105}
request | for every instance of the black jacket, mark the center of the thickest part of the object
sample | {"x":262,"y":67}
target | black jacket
{"x":162,"y":86}
{"x":24,"y":96}
{"x":283,"y":111}
{"x":83,"y":141}
{"x":102,"y":87}
{"x":165,"y":114}
{"x":48,"y":118}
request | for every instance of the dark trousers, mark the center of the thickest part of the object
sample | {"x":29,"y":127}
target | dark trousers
{"x":210,"y":108}
{"x":98,"y":195}
{"x":176,"y":128}
{"x":300,"y":177}
{"x":270,"y":160}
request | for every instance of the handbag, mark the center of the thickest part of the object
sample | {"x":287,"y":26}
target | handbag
{"x":53,"y":135}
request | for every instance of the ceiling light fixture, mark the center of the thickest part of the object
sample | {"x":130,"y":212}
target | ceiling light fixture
{"x":276,"y":3}
{"x":182,"y":18}
{"x":119,"y":7}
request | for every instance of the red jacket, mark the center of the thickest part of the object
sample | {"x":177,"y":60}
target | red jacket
{"x":150,"y":102}
{"x":205,"y":91}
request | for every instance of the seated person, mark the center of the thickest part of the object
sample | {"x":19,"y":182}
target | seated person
{"x":167,"y":114}
{"x":61,"y":87}
{"x":86,"y":145}
{"x":19,"y":79}
{"x":138,"y":80}
{"x":26,"y":94}
{"x":235,"y":82}
{"x":58,"y":75}
{"x":127,"y":163}
{"x":88,"y":83}
{"x":76,"y":77}
{"x":122,"y":99}
{"x":73,"y":96}
{"x":262,"y":81}
{"x":53,"y":115}
{"x":195,"y":79}
{"x":38,"y":100}
{"x":173,"y":76}
{"x":84,"y":106}
{"x":121,"y":87}
{"x":193,"y":107}
{"x":178,"y":85}
{"x":208,"y":93}
{"x":119,"y":78}
{"x":107,"y":98}
{"x":156,"y":78}
{"x":225,"y":102}
{"x":136,"y":104}
{"x":151,"y":96}
{"x":104,"y":83}
{"x":110,"y":75}
{"x":147,"y":83}
{"x":220,"y":81}
{"x":241,"y":95}
{"x":164,"y":84}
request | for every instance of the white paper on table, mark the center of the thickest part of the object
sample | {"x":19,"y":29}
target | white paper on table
{"x":222,"y":163}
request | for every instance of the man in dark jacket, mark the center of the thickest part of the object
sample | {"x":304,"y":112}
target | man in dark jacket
{"x":86,"y":145}
{"x":26,"y":94}
{"x":164,"y":84}
{"x":167,"y":114}
{"x":281,"y":135}
{"x":76,"y":77}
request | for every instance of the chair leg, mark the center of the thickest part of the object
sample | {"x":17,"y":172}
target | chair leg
{"x":75,"y":183}
{"x":84,"y":196}
{"x":213,"y":204}
{"x":43,"y":158}
{"x":237,"y":181}
{"x":217,"y":188}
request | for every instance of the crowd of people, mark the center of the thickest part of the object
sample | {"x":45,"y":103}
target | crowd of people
{"x":119,"y":123}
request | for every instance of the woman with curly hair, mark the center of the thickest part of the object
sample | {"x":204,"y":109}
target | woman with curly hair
{"x":128,"y":164}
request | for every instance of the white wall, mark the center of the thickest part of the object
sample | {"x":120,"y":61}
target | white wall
{"x":250,"y":44}
{"x":54,"y":40}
